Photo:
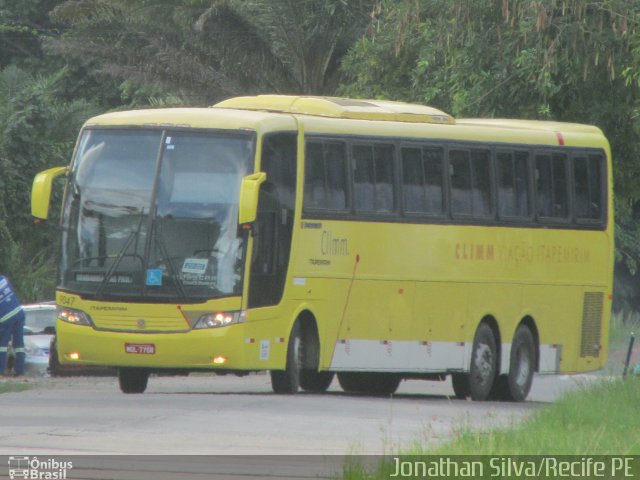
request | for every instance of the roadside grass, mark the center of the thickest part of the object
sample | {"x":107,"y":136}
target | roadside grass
{"x":600,"y":417}
{"x":9,"y":386}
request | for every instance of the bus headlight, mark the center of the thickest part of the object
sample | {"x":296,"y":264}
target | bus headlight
{"x":219,"y":319}
{"x":76,"y":317}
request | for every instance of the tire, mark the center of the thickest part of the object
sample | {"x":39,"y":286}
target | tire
{"x":522,"y":364}
{"x":133,"y":380}
{"x":484,"y":363}
{"x":312,"y":381}
{"x":54,"y":362}
{"x":460,"y":382}
{"x":369,"y":383}
{"x":287,"y":381}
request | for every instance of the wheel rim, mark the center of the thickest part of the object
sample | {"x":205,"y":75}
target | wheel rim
{"x":524,"y":366}
{"x":484,"y":363}
{"x":297,"y":355}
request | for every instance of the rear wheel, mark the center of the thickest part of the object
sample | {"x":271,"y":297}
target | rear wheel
{"x":133,"y":380}
{"x":484,"y":363}
{"x":521,"y":365}
{"x":460,"y":382}
{"x":369,"y":383}
{"x":287,"y":381}
{"x":313,"y":381}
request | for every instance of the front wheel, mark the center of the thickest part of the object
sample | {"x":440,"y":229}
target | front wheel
{"x":287,"y":381}
{"x":313,"y":381}
{"x":369,"y":383}
{"x":484,"y":363}
{"x":133,"y":380}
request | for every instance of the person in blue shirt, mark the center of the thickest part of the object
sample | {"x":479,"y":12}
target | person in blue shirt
{"x":11,"y":326}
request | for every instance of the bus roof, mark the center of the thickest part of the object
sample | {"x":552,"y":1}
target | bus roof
{"x":541,"y":125}
{"x":334,"y":107}
{"x":330,"y":115}
{"x":196,"y":118}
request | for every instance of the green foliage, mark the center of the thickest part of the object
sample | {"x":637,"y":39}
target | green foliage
{"x":201,"y":50}
{"x":38,"y":131}
{"x":565,"y":60}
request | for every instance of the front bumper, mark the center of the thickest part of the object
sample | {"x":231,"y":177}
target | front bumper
{"x":194,"y":349}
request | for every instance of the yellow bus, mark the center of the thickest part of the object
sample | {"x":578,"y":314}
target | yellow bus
{"x":315,"y":236}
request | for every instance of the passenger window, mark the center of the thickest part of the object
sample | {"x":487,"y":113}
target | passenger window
{"x":373,"y":178}
{"x":587,"y":173}
{"x":422,"y":180}
{"x":385,"y":202}
{"x":481,"y":182}
{"x":315,"y":196}
{"x":325,"y":186}
{"x":335,"y":162}
{"x":552,"y":199}
{"x":363,"y":178}
{"x":513,"y":181}
{"x":460,"y":173}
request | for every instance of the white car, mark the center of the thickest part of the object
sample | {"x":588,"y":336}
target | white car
{"x":39,"y":329}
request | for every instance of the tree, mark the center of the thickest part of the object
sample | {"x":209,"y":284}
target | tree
{"x":38,"y":131}
{"x":563,"y":59}
{"x":203,"y":50}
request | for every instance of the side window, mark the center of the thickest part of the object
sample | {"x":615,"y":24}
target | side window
{"x":460,"y":178}
{"x":274,"y":223}
{"x":325,"y":186}
{"x":385,"y":198}
{"x":422,"y":170}
{"x":513,"y":184}
{"x":552,"y":199}
{"x":373,"y":178}
{"x":363,"y":179}
{"x":481,"y":182}
{"x":588,"y":188}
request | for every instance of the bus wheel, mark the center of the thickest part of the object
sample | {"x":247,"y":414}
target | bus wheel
{"x":460,"y":382}
{"x":369,"y":383}
{"x":133,"y":380}
{"x":313,"y":381}
{"x":484,"y":363}
{"x":521,"y":365}
{"x":287,"y":381}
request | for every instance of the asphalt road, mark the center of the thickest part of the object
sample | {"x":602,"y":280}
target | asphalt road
{"x":212,"y":415}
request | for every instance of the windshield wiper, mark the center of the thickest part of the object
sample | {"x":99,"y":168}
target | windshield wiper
{"x":133,"y":235}
{"x":177,"y":281}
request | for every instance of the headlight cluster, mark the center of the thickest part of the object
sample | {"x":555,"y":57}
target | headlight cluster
{"x":219,"y":319}
{"x":76,"y":317}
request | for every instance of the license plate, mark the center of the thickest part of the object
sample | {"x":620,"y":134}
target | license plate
{"x":140,"y":348}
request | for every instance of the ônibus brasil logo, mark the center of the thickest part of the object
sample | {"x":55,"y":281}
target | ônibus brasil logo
{"x":34,"y":468}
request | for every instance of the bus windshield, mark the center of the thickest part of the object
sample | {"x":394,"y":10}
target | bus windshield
{"x":153,"y":215}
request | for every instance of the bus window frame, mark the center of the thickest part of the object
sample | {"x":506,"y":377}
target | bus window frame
{"x":578,"y":152}
{"x":515,"y":219}
{"x":401,"y":216}
{"x":443,"y":215}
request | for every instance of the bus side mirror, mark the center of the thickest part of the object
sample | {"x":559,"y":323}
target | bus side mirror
{"x":41,"y":191}
{"x":249,"y":192}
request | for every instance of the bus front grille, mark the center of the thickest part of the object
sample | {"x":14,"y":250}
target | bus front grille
{"x":591,"y":324}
